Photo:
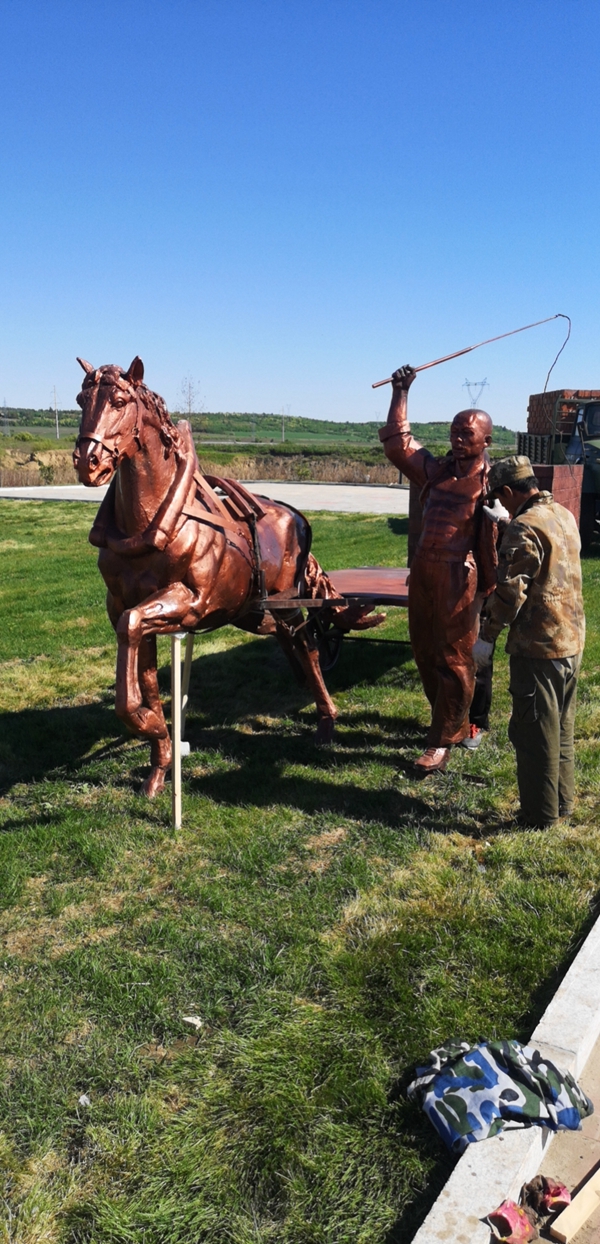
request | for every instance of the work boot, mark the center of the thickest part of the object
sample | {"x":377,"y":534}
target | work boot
{"x":433,"y":760}
{"x":472,"y":739}
{"x":526,"y":820}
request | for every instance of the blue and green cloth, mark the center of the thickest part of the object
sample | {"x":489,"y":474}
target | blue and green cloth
{"x":472,"y":1092}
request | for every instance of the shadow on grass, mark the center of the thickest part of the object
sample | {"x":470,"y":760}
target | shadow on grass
{"x":250,"y":683}
{"x":253,"y":682}
{"x":592,"y":551}
{"x":255,"y":675}
{"x":16,"y":822}
{"x":399,"y":526}
{"x":413,"y":1217}
{"x":252,"y":739}
{"x":37,"y":742}
{"x":547,"y":987}
{"x":257,"y":775}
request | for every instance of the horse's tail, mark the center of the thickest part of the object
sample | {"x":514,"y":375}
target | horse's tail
{"x":310,"y":580}
{"x":304,"y":539}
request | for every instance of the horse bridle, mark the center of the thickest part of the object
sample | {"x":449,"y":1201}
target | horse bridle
{"x":110,"y":445}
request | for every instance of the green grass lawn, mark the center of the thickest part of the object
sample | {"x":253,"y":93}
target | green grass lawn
{"x":328,"y":919}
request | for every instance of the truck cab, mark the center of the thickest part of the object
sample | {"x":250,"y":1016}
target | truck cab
{"x":563,"y":432}
{"x":584,"y":447}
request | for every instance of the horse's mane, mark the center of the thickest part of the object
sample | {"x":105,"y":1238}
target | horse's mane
{"x":156,"y":404}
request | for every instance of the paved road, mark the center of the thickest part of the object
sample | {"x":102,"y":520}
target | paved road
{"x":340,"y":498}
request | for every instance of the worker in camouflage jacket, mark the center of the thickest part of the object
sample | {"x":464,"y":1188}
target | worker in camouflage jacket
{"x":538,"y":596}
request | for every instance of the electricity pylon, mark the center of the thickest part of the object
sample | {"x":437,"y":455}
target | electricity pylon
{"x":480,"y":385}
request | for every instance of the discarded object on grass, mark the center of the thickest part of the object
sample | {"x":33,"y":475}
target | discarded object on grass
{"x":84,"y":1100}
{"x":194,"y":1021}
{"x":512,"y":1223}
{"x":183,"y":551}
{"x":472,"y":1092}
{"x":545,"y":1195}
{"x":583,"y":1205}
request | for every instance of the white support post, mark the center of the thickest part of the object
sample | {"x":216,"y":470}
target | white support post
{"x":185,"y":683}
{"x":179,"y":703}
{"x":176,"y":727}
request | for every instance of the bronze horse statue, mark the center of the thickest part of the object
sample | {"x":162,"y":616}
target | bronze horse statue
{"x":183,"y":551}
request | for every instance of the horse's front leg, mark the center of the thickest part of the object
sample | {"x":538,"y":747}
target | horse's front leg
{"x":160,"y":745}
{"x":137,"y":700}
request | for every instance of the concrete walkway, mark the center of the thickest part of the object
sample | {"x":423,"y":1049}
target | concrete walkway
{"x":340,"y":498}
{"x":572,"y":1156}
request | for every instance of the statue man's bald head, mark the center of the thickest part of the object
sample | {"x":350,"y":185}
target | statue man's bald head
{"x":481,"y":417}
{"x":470,"y":433}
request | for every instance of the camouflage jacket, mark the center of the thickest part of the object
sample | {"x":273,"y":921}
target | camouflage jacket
{"x":472,"y":1092}
{"x":538,"y":594}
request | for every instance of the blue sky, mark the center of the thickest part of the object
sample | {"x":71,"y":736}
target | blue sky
{"x":287,"y":199}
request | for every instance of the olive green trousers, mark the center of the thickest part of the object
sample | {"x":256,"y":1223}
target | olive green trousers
{"x":542,"y":730}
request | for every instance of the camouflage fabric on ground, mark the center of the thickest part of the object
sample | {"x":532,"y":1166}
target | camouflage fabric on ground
{"x":471,"y":1092}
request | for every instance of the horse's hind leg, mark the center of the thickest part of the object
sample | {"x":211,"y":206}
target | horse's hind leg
{"x":160,"y":745}
{"x":289,"y":645}
{"x":301,"y":650}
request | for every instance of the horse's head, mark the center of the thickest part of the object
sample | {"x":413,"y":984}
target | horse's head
{"x":109,"y":429}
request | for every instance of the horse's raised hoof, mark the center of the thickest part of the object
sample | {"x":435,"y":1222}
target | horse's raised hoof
{"x":325,"y":729}
{"x":155,"y":783}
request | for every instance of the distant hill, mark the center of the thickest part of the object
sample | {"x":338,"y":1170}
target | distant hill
{"x":237,"y":427}
{"x":305,"y":431}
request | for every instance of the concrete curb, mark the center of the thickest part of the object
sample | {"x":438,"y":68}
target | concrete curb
{"x":494,"y":1169}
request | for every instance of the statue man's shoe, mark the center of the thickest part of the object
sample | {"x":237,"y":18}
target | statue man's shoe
{"x":433,"y":760}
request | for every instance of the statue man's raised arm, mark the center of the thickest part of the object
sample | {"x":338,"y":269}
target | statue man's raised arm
{"x":399,"y":444}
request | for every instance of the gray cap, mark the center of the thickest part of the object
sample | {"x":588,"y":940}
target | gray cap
{"x":509,"y":471}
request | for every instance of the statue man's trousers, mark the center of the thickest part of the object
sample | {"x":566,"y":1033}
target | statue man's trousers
{"x":443,"y":619}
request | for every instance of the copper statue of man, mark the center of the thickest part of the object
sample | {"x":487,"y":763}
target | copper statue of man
{"x":454,"y":566}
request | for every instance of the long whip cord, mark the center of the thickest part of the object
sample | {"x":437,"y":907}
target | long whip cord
{"x":559,"y":316}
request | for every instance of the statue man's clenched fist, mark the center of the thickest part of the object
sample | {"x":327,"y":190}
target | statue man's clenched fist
{"x":403,"y":378}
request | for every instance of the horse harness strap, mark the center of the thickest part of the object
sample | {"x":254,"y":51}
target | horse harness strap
{"x":238,"y":507}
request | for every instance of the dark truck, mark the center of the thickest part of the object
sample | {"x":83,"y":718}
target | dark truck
{"x":562,"y":442}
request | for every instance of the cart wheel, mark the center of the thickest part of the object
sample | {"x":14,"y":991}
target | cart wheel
{"x":329,"y":643}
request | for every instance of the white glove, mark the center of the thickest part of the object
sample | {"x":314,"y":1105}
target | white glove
{"x":482,"y":653}
{"x":496,"y":512}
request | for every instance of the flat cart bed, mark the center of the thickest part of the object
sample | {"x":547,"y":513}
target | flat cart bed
{"x":381,"y":584}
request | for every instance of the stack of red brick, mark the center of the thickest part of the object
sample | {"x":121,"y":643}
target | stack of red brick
{"x":540,"y":416}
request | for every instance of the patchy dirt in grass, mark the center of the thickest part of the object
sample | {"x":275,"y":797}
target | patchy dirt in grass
{"x":323,"y":845}
{"x":157,"y":1053}
{"x":329,"y":838}
{"x":27,"y":930}
{"x":26,"y":943}
{"x":47,"y":681}
{"x":322,"y":850}
{"x":79,"y":1034}
{"x":9,"y":546}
